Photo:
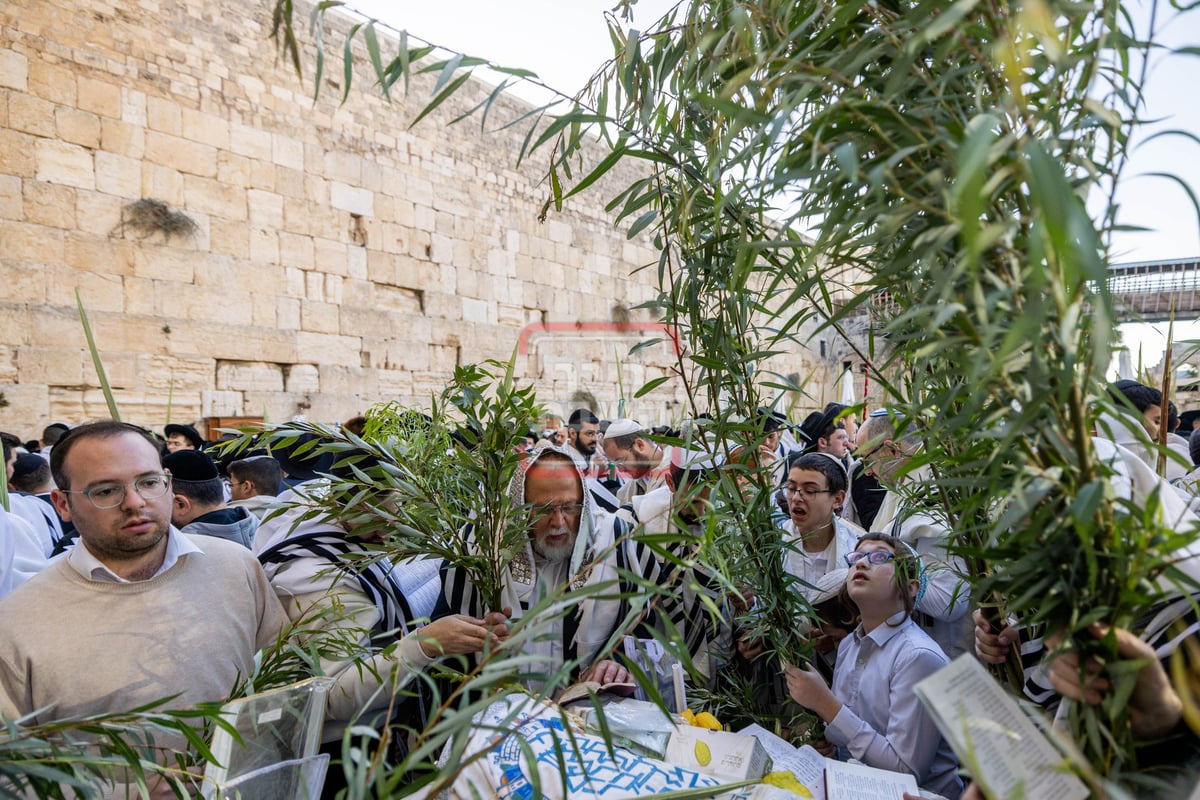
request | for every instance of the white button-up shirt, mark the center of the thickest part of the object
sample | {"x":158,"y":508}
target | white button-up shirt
{"x":80,"y":559}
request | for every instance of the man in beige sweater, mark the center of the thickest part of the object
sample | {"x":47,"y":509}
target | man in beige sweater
{"x":136,"y":612}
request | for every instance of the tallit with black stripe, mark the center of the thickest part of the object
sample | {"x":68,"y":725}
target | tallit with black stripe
{"x":376,"y":576}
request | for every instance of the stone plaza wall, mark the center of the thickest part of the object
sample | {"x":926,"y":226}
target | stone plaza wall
{"x":340,"y":256}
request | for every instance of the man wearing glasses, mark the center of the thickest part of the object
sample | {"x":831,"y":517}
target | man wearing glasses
{"x":570,"y":547}
{"x":909,"y":513}
{"x":136,"y":612}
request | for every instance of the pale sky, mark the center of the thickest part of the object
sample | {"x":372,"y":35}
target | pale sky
{"x":565,"y":41}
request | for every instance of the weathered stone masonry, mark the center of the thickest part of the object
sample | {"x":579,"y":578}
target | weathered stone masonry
{"x":340,"y":257}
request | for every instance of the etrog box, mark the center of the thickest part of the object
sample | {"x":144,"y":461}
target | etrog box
{"x":729,"y":756}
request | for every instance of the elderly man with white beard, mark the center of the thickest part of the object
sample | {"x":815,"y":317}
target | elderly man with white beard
{"x":569,"y":547}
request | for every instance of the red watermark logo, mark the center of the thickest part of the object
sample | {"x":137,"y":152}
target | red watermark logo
{"x":536,"y":328}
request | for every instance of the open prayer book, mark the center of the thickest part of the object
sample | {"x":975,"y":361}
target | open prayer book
{"x":824,"y":778}
{"x":990,"y":732}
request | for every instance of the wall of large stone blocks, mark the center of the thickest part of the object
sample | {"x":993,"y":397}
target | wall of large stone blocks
{"x":340,"y":256}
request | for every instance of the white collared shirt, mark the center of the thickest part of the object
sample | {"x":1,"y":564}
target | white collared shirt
{"x":809,"y":567}
{"x":80,"y":559}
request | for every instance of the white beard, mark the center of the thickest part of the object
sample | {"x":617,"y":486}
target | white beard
{"x":558,"y":552}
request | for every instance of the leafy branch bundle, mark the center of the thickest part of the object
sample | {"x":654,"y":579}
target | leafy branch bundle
{"x":80,"y":757}
{"x":943,"y":154}
{"x":935,"y":157}
{"x":427,"y":487}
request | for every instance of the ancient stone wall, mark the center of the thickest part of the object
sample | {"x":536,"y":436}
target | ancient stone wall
{"x":339,"y":256}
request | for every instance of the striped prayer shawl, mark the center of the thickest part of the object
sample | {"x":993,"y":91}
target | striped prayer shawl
{"x":375,"y":576}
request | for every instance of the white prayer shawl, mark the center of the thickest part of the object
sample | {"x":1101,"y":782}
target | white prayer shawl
{"x":41,"y":518}
{"x":654,"y":479}
{"x":279,"y":525}
{"x":529,"y":580}
{"x":27,"y":546}
{"x":946,"y":601}
{"x":418,"y":579}
{"x":708,"y":643}
{"x":1127,"y":431}
{"x":1136,"y":481}
{"x":810,"y":569}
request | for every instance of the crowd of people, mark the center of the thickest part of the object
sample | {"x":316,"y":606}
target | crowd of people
{"x":168,"y":566}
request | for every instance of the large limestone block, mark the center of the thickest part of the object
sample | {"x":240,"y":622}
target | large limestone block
{"x":415,"y":273}
{"x":22,"y":282}
{"x":330,"y":256}
{"x":162,"y":183}
{"x":440,"y":305}
{"x":119,"y":175}
{"x":163,"y":115}
{"x":54,"y":366}
{"x":365,"y":322}
{"x":410,"y":356}
{"x":175,"y":375}
{"x":353,"y":381}
{"x":352,"y":199}
{"x":319,"y":317}
{"x":69,"y":164}
{"x":27,"y":410}
{"x":263,"y":310}
{"x":264,"y":246}
{"x":229,"y":238}
{"x":296,"y":251}
{"x":78,"y":127}
{"x":14,"y":70}
{"x":287,"y":152}
{"x":356,"y":263}
{"x":249,"y":141}
{"x":97,"y":213}
{"x":10,"y":197}
{"x":301,"y":378}
{"x":325,"y":348}
{"x":30,"y":114}
{"x":383,"y":298}
{"x":49,"y":204}
{"x":223,"y":404}
{"x":164,"y":263}
{"x":8,"y":358}
{"x":190,"y":158}
{"x":233,"y":170}
{"x":241,"y":376}
{"x":215,"y":197}
{"x":99,"y":292}
{"x":233,"y":342}
{"x":99,"y":97}
{"x":475,"y":311}
{"x":210,"y":129}
{"x":265,"y":208}
{"x":333,"y":409}
{"x":395,"y":385}
{"x":287,"y":313}
{"x":120,"y":369}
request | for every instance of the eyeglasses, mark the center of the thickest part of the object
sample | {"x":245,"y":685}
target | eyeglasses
{"x":864,"y":456}
{"x":111,"y":495}
{"x":807,"y":491}
{"x":872,"y":557}
{"x":566,"y":509}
